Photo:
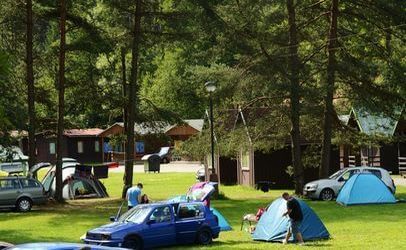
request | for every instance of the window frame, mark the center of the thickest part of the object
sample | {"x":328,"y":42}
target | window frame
{"x":96,"y":146}
{"x":196,"y":207}
{"x":80,"y":147}
{"x":10,"y":187}
{"x":52,"y":148}
{"x":168,"y":219}
{"x":26,"y":183}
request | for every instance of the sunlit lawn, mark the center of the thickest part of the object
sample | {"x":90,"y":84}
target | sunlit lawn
{"x":358,"y":227}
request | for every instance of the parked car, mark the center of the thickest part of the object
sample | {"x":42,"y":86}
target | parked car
{"x":58,"y":246}
{"x":158,"y":224}
{"x":21,"y":193}
{"x":12,"y":160}
{"x":201,"y":174}
{"x":165,"y":154}
{"x":327,"y":189}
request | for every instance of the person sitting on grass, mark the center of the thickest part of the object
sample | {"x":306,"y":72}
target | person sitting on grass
{"x":295,"y":218}
{"x":144,"y":199}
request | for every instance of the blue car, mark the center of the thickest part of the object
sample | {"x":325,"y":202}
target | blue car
{"x":57,"y":246}
{"x":158,"y":224}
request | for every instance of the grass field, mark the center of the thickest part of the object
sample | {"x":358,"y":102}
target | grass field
{"x":357,"y":227}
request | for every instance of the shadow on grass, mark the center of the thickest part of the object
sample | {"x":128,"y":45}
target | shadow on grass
{"x":233,"y":210}
{"x":72,"y":211}
{"x":22,"y":236}
{"x":250,"y":244}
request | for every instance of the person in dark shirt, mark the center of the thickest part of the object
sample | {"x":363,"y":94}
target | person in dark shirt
{"x":295,"y":218}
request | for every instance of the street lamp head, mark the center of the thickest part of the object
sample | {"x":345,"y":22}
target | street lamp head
{"x":210,"y":86}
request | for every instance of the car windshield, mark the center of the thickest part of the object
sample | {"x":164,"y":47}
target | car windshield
{"x":336,"y":174}
{"x":135,"y":215}
{"x":163,"y":150}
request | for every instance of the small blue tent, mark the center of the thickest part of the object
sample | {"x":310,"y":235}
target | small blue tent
{"x":273,"y":227}
{"x":224,"y":226}
{"x":365,"y":188}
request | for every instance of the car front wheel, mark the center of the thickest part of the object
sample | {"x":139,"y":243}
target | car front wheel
{"x":327,"y":194}
{"x":24,"y":204}
{"x":133,"y":243}
{"x":204,"y":236}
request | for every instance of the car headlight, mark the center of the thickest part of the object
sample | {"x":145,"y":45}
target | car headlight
{"x":312,"y":186}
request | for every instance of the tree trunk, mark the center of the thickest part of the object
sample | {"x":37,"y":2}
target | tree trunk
{"x":124,"y":83}
{"x":61,"y":103}
{"x":388,"y":39}
{"x":328,"y":100}
{"x":294,"y":65}
{"x":30,"y":86}
{"x":132,"y":98}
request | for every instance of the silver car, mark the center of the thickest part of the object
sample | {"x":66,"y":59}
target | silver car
{"x":20,"y":193}
{"x":328,"y":189}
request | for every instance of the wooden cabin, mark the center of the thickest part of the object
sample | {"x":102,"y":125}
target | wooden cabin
{"x":251,"y":167}
{"x":387,"y":155}
{"x":84,"y":145}
{"x":149,"y":137}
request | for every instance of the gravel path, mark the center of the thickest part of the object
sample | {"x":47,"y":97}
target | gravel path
{"x":179,"y":167}
{"x":192,"y":167}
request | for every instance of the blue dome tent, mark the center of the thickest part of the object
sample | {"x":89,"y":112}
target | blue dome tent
{"x":273,"y":227}
{"x":224,"y":225}
{"x":365,"y":188}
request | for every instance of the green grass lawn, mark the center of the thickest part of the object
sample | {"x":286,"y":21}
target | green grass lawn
{"x":357,"y":227}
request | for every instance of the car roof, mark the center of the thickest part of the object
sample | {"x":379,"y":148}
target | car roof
{"x":366,"y":167}
{"x":160,"y":203}
{"x":13,"y":177}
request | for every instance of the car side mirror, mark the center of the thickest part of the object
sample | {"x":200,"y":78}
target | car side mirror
{"x":112,"y":218}
{"x":341,"y":179}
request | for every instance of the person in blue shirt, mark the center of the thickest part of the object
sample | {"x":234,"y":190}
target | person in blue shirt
{"x":133,"y":196}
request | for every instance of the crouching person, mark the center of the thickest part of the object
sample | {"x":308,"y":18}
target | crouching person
{"x":295,"y":218}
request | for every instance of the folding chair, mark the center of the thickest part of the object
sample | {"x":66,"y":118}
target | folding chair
{"x":248,"y":218}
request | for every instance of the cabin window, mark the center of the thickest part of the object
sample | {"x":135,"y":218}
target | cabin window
{"x":80,"y":147}
{"x":52,"y":148}
{"x":96,"y":146}
{"x":245,"y":160}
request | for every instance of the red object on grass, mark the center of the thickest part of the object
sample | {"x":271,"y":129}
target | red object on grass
{"x":259,"y":213}
{"x":112,"y":164}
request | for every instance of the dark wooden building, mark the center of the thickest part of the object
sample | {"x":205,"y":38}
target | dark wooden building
{"x":387,"y":155}
{"x":251,"y":167}
{"x":84,"y":145}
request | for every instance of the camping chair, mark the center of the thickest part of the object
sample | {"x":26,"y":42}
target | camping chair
{"x":252,"y":217}
{"x":248,"y":218}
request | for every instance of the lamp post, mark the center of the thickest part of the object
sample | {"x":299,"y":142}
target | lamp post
{"x":211,"y":87}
